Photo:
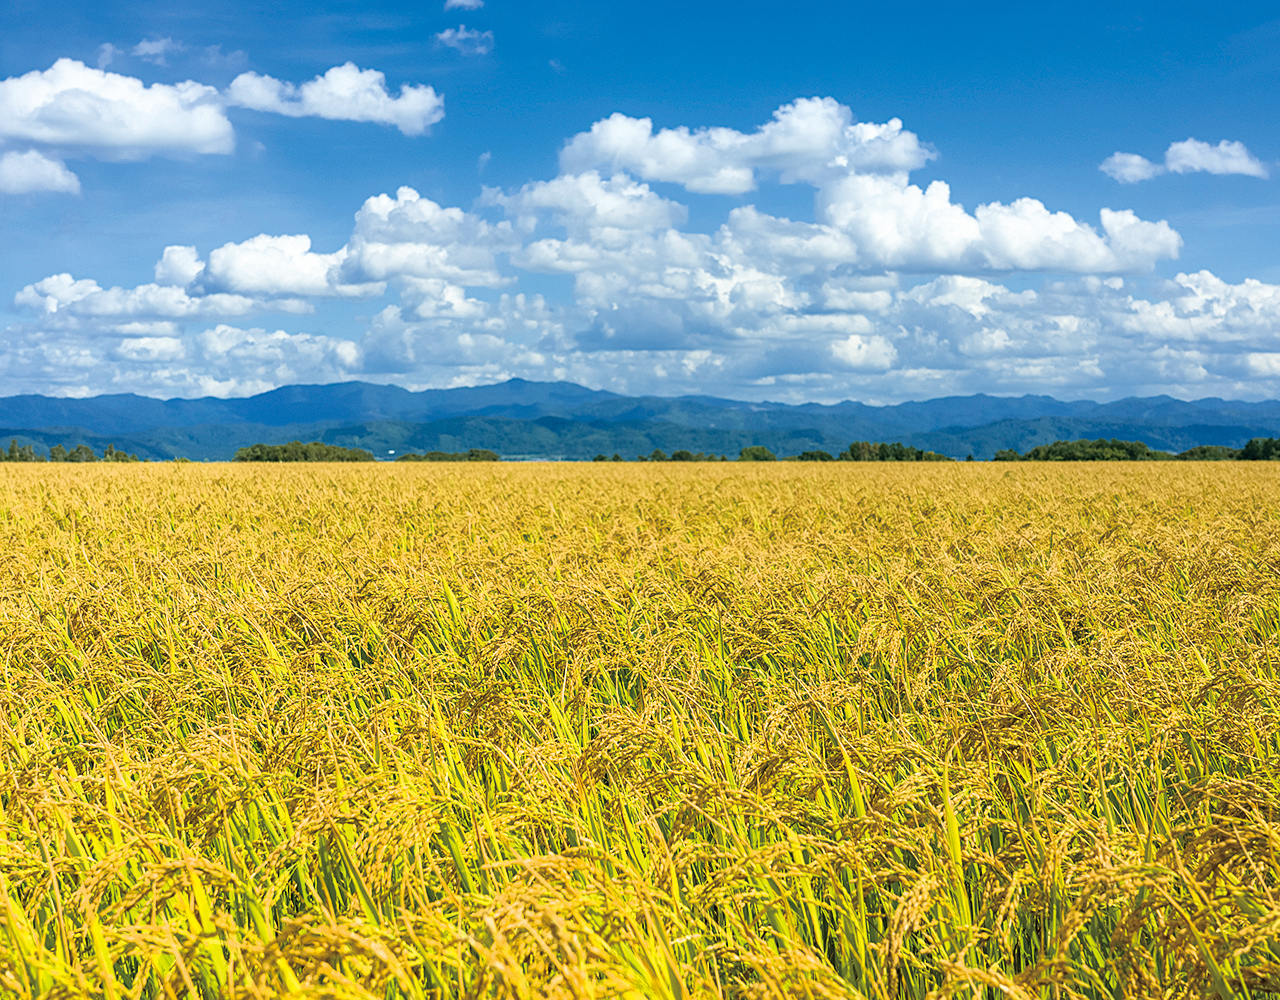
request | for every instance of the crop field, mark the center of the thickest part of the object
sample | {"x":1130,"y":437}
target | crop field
{"x":727,"y":730}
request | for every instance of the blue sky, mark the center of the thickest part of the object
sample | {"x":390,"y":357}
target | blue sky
{"x":823,"y":202}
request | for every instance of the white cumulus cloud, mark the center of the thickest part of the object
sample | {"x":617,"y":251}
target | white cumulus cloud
{"x":412,"y":236}
{"x":463,"y":4}
{"x":151,"y":349}
{"x":72,"y":109}
{"x":1266,"y":364}
{"x":71,"y":105}
{"x":825,"y":307}
{"x":1227,"y":157}
{"x":1130,"y":168}
{"x":30,"y":172}
{"x":865,"y":353}
{"x":899,"y":225}
{"x":1187,"y":157}
{"x":342,"y":93}
{"x":72,"y":301}
{"x":807,"y":140}
{"x":586,"y":202}
{"x":279,"y":266}
{"x":876,"y":217}
{"x":178,"y":265}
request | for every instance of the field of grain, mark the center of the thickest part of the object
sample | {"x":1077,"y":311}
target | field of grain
{"x":643,"y":731}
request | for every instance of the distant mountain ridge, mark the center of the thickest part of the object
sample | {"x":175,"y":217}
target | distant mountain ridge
{"x":565,"y":420}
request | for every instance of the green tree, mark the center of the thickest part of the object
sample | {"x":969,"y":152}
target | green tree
{"x":1210,"y":453}
{"x":23,"y":453}
{"x":886,"y":451}
{"x":756,"y":453}
{"x":1101,"y":450}
{"x":1261,"y":450}
{"x":471,"y":455}
{"x":111,"y":455}
{"x":860,"y":451}
{"x":296,"y":451}
{"x":816,"y":456}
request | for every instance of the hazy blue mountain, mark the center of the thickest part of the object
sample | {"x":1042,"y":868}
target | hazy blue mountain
{"x":299,"y":404}
{"x":560,"y":419}
{"x":1022,"y":435}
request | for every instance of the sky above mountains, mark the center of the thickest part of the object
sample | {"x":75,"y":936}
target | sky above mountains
{"x":831,"y":201}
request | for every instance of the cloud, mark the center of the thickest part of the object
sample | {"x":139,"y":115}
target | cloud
{"x":212,"y":55}
{"x":1201,"y":306}
{"x":808,"y":140}
{"x":463,"y":4}
{"x":1193,"y":156}
{"x":863,"y":337}
{"x":892,"y":289}
{"x":587,"y":203}
{"x":1130,"y":168}
{"x":73,"y":106}
{"x":1266,"y":365}
{"x":155,"y":50}
{"x":342,"y":93}
{"x":107,"y":54}
{"x":151,"y":349}
{"x":1187,"y":157}
{"x":901,"y":226}
{"x":73,"y":109}
{"x":65,"y":301}
{"x":466,"y":41}
{"x":273,"y":266}
{"x":229,"y":342}
{"x":225,"y":361}
{"x":952,"y":334}
{"x":456,"y":339}
{"x":179,"y":266}
{"x":409,"y":236}
{"x":31,"y":172}
{"x":865,"y":353}
{"x":861,"y":173}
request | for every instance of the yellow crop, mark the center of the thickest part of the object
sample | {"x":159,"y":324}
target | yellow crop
{"x":643,"y":731}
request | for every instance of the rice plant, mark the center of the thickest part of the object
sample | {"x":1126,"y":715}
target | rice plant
{"x":784,"y":730}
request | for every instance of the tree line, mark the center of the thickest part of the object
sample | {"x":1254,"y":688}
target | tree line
{"x":80,"y":453}
{"x":296,"y":451}
{"x":658,"y":455}
{"x":859,"y":451}
{"x":868,"y":451}
{"x":1113,"y":450}
{"x":318,"y":451}
{"x":470,"y":455}
{"x":1083,"y":450}
{"x":751,"y":453}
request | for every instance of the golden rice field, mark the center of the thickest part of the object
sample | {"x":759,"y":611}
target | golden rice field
{"x":640,"y":731}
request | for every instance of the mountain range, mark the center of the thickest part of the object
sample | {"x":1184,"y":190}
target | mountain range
{"x":561,"y":420}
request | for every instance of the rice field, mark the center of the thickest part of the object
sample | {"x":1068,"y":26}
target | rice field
{"x":751,"y":731}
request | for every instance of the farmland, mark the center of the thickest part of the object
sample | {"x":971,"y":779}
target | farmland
{"x":640,"y":730}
